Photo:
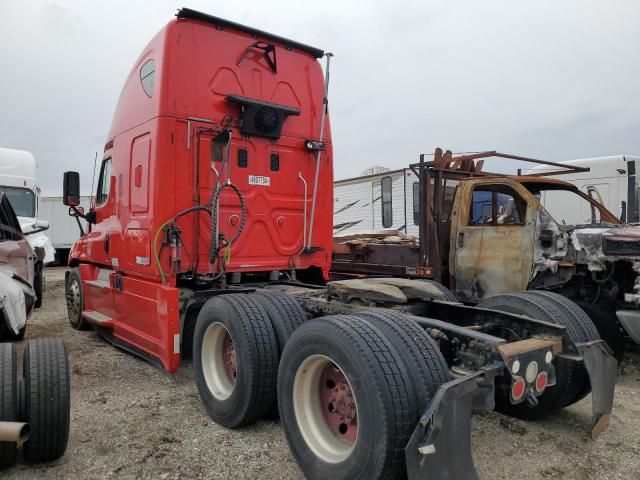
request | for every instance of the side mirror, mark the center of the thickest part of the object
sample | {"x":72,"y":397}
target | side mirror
{"x":71,"y":189}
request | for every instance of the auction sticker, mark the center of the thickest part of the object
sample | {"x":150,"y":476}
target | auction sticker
{"x":258,"y":180}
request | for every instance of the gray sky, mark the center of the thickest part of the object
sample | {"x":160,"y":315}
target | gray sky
{"x":549,"y":79}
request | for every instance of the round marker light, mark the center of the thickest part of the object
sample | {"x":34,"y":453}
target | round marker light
{"x":517,"y":389}
{"x":532,"y":371}
{"x":515,"y":367}
{"x":548,"y":357}
{"x":541,"y":382}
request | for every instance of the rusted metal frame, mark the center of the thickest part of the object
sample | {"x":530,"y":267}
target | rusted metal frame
{"x":423,"y":183}
{"x":464,"y":161}
{"x":465,"y":316}
{"x":434,"y":255}
{"x":567,"y":168}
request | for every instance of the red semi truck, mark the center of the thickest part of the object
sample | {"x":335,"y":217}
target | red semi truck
{"x":211,"y":236}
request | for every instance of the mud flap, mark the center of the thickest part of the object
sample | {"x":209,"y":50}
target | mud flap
{"x":440,"y":447}
{"x":602,"y":368}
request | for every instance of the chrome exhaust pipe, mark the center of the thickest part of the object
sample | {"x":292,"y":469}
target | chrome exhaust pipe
{"x":14,"y":431}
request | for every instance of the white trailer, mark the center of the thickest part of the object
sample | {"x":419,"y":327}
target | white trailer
{"x":386,"y":200}
{"x":63,"y":228}
{"x":611,"y":180}
{"x":18,"y":183}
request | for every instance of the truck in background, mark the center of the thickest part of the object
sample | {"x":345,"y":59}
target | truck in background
{"x":610,"y":180}
{"x":63,"y":228}
{"x":18,"y":183}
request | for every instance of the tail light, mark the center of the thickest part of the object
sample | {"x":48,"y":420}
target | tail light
{"x":541,"y":381}
{"x":518,"y":387}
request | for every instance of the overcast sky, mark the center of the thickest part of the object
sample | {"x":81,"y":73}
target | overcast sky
{"x":548,"y":79}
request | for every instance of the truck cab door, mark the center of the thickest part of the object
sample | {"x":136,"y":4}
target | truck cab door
{"x":492,"y":238}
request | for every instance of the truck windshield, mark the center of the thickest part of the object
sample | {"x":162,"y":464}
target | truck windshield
{"x":22,"y":200}
{"x":568,"y":207}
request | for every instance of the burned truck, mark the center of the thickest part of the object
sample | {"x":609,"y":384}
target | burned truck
{"x":484,"y":233}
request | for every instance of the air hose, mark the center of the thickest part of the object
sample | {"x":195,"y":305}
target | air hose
{"x":213,"y":253}
{"x":163,"y":226}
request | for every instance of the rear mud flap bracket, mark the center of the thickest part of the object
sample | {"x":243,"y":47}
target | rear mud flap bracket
{"x":602,"y":368}
{"x":440,"y":447}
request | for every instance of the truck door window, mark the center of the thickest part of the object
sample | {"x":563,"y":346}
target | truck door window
{"x":104,"y":183}
{"x":496,"y":205}
{"x":387,"y":212}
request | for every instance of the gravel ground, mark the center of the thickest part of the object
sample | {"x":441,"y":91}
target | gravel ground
{"x":130,"y":420}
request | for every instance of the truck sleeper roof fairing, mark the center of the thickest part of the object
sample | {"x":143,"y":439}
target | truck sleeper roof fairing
{"x":222,"y":23}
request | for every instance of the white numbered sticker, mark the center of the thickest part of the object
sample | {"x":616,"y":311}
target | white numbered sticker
{"x":258,"y":180}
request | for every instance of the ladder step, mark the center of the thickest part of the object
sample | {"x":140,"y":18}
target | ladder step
{"x":96,"y":317}
{"x":98,"y":283}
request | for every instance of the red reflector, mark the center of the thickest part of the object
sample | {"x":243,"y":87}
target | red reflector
{"x":517,"y":389}
{"x":541,"y":381}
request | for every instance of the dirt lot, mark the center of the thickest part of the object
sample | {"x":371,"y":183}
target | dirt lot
{"x":130,"y":420}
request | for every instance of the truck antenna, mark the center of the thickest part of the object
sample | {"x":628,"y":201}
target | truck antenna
{"x":93,"y":179}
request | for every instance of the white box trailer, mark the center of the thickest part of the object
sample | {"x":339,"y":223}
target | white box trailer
{"x":63,"y":228}
{"x":386,"y":200}
{"x":616,"y":186}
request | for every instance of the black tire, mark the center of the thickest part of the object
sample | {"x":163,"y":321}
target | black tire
{"x":422,"y":359}
{"x":252,"y":396}
{"x":47,"y":400}
{"x":581,"y":320}
{"x":8,"y":401}
{"x":447,"y":295}
{"x":284,"y":312}
{"x":384,"y":396}
{"x":6,"y":334}
{"x":75,"y":300}
{"x":608,"y":326}
{"x":570,"y":375}
{"x":38,"y":284}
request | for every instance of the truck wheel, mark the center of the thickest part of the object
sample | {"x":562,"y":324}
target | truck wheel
{"x":8,"y":400}
{"x":570,"y":375}
{"x":422,"y":359}
{"x":46,"y":399}
{"x":284,"y":312}
{"x":75,"y":300}
{"x":608,"y":327}
{"x":447,"y":295}
{"x":38,"y":284}
{"x":346,"y":405}
{"x":235,"y":359}
{"x":581,"y":320}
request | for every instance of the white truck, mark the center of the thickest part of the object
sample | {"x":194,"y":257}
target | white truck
{"x":63,"y":228}
{"x":18,"y":183}
{"x":611,"y":180}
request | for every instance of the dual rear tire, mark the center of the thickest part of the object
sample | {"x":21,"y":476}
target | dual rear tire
{"x":350,"y":389}
{"x":237,"y":343}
